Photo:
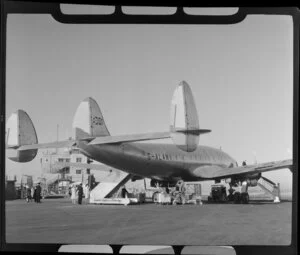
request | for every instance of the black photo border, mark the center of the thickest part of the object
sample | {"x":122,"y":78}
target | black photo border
{"x":179,"y":17}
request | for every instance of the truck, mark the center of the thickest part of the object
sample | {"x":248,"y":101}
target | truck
{"x":218,"y":193}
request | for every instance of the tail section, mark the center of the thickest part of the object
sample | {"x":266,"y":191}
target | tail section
{"x":184,"y":126}
{"x":20,"y":131}
{"x":88,"y":121}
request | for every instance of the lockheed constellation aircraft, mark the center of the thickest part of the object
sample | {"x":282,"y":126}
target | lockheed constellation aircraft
{"x":164,"y":164}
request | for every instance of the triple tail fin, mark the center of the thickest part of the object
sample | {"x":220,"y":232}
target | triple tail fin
{"x":88,"y":121}
{"x":20,"y":131}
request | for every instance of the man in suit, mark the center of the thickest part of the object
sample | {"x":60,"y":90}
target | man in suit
{"x":80,"y":193}
{"x":38,"y":193}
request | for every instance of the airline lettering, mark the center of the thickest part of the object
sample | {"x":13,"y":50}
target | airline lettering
{"x":97,"y":120}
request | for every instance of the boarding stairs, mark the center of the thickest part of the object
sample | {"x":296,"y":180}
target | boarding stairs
{"x":107,"y":191}
{"x":270,"y":188}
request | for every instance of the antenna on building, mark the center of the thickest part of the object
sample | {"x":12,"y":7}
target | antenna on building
{"x":255,"y":159}
{"x":57,"y":127}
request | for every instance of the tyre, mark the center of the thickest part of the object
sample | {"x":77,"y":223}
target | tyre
{"x":237,"y":198}
{"x":245,"y":198}
{"x":223,"y":198}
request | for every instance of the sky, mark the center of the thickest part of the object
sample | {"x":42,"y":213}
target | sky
{"x":241,"y":77}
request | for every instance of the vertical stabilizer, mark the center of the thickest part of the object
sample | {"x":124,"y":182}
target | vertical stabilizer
{"x":20,"y":131}
{"x":88,"y":120}
{"x":184,"y":126}
{"x":184,"y":114}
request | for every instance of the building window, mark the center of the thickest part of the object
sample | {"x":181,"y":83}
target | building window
{"x":78,"y":171}
{"x":88,"y":171}
{"x":78,"y":160}
{"x":67,"y":160}
{"x":75,"y":151}
{"x":67,"y":170}
{"x":60,"y":160}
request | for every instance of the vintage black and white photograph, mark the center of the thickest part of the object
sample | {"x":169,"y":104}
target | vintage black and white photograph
{"x":149,"y":134}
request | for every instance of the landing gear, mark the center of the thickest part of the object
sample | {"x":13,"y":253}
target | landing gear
{"x":245,"y":198}
{"x":239,"y":197}
{"x":178,"y":199}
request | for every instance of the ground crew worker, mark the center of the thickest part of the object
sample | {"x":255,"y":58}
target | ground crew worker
{"x":80,"y":193}
{"x":179,"y":192}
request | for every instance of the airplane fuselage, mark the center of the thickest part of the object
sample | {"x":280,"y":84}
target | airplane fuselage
{"x":164,"y":162}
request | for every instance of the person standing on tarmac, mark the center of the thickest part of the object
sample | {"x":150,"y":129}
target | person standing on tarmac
{"x":28,"y":194}
{"x":38,"y":193}
{"x":73,"y":194}
{"x":87,"y":193}
{"x":32,"y":192}
{"x":124,"y":192}
{"x":80,"y":193}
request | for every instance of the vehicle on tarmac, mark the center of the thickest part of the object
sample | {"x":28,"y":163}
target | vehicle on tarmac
{"x":218,"y":193}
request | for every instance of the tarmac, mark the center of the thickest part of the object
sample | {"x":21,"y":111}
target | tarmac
{"x":60,"y":221}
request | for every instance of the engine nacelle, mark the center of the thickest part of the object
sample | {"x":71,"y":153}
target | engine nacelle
{"x":136,"y":177}
{"x":20,"y":131}
{"x":252,"y":182}
{"x":253,"y":179}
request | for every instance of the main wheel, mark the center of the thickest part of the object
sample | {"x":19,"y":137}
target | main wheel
{"x":223,"y":198}
{"x":245,"y":198}
{"x":237,"y":197}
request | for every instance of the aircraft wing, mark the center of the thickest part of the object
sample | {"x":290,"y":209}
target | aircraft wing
{"x":129,"y":138}
{"x":217,"y":172}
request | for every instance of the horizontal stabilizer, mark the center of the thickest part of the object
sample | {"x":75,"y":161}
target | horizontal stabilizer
{"x":194,"y":131}
{"x":130,"y":138}
{"x":53,"y":145}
